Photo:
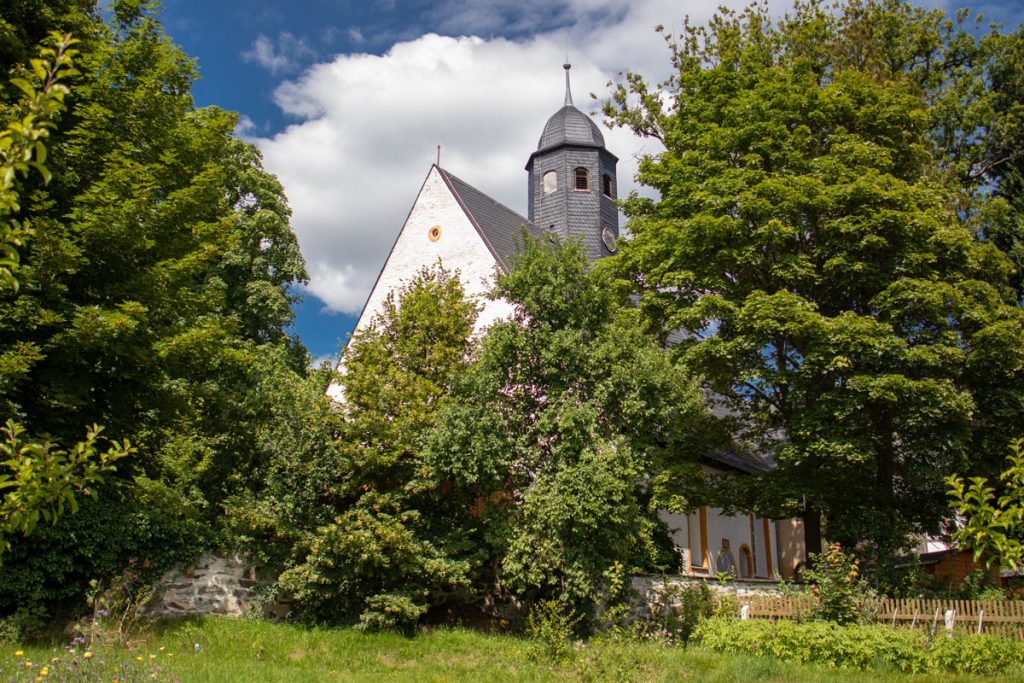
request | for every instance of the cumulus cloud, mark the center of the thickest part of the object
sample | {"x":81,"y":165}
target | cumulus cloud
{"x":367,"y":126}
{"x":286,"y":56}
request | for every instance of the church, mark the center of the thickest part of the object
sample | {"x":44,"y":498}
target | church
{"x":571,"y":181}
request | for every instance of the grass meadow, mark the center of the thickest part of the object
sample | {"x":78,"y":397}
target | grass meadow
{"x":232,"y":650}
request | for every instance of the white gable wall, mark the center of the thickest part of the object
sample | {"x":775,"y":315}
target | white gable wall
{"x":459,"y":247}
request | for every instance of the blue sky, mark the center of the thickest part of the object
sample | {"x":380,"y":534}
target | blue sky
{"x":348,"y":101}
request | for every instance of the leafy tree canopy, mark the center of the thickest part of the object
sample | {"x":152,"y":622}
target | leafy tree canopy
{"x":557,"y":429}
{"x":380,"y":538}
{"x":154,"y":291}
{"x":817,"y":232}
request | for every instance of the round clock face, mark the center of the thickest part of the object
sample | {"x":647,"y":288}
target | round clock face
{"x":608,"y":237}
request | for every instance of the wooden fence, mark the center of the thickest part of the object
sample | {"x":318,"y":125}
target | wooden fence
{"x":999,"y":617}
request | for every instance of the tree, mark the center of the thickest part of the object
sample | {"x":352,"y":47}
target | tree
{"x":556,"y":430}
{"x":37,"y":479}
{"x":807,"y":235}
{"x":154,"y":289}
{"x":993,"y":526}
{"x":387,"y":542}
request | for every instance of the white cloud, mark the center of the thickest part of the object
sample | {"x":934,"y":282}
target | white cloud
{"x":285,"y":57}
{"x":368,"y":125}
{"x":245,"y":128}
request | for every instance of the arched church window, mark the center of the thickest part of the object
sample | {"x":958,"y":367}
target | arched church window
{"x":581,"y":181}
{"x":607,"y":182}
{"x":550,"y":182}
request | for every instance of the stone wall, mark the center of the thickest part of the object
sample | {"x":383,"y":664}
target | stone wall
{"x":215,"y":584}
{"x":651,"y":590}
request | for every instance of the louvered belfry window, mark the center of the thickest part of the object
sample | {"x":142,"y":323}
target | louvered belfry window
{"x":580,"y":176}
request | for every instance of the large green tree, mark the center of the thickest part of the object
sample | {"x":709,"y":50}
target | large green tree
{"x":154,"y":296}
{"x":376,"y":533}
{"x":557,"y":429}
{"x":812,"y":231}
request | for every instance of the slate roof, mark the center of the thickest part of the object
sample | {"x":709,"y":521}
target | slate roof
{"x":500,"y":227}
{"x":570,"y":126}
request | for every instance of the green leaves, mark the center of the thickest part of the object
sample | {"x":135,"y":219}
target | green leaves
{"x":567,"y":413}
{"x":38,"y":480}
{"x":808,"y":235}
{"x":993,"y":521}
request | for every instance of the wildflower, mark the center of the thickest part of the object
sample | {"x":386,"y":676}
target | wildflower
{"x":138,"y":658}
{"x":152,"y":656}
{"x":162,"y":649}
{"x":19,"y":653}
{"x":87,"y":655}
{"x":45,"y":671}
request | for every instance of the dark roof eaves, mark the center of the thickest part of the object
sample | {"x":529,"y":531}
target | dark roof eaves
{"x":569,"y":145}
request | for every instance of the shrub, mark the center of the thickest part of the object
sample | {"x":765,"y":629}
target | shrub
{"x":829,"y":644}
{"x":837,"y":585}
{"x":975,"y":654}
{"x":391,"y":612}
{"x":553,"y":624}
{"x":861,"y":647}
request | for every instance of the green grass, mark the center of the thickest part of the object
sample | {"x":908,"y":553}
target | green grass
{"x":254,"y":651}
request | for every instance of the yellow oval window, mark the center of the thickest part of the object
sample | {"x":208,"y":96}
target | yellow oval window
{"x":434,"y":233}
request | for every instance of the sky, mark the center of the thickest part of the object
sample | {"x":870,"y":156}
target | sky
{"x":349,"y":99}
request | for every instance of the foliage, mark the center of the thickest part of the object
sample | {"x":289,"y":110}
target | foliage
{"x":393,"y":540}
{"x":21,"y":142}
{"x":552,"y":623}
{"x":556,"y":429}
{"x":817,"y":232}
{"x":975,"y":654}
{"x":39,"y":480}
{"x":861,"y":647}
{"x":154,"y":297}
{"x":836,"y":581}
{"x":829,"y":644}
{"x":993,"y":526}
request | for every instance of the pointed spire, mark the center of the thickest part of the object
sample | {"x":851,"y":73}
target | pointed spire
{"x":568,"y":93}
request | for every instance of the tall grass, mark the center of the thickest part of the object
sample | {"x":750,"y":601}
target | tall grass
{"x":254,"y":651}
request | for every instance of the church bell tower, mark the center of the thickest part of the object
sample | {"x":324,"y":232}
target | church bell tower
{"x":572,"y":181}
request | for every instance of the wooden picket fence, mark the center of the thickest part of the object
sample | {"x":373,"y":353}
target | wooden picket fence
{"x":999,"y":617}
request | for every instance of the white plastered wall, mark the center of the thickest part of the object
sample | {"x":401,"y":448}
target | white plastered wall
{"x":459,"y":247}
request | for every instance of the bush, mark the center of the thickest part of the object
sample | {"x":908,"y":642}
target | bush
{"x":976,"y":654}
{"x":836,"y":582}
{"x":391,"y":612}
{"x":553,"y":624}
{"x":829,"y":644}
{"x":861,"y":647}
